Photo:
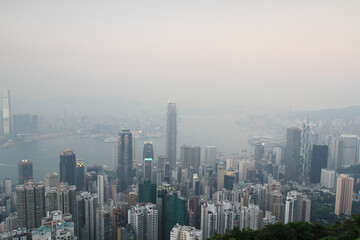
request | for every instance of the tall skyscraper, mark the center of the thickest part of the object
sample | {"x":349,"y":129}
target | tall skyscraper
{"x":319,"y":160}
{"x":347,"y":152}
{"x":190,"y":157}
{"x":344,"y":192}
{"x":80,"y":176}
{"x":297,"y":207}
{"x":259,"y":151}
{"x":30,"y":204}
{"x":103,"y":224}
{"x":147,"y":192}
{"x":6,"y":111}
{"x":292,"y":153}
{"x":67,"y":167}
{"x":148,"y":156}
{"x":145,"y":222}
{"x":171,"y":133}
{"x":85,"y":221}
{"x":210,"y":155}
{"x":125,"y":158}
{"x":172,"y":210}
{"x":25,"y":171}
{"x":100,"y":188}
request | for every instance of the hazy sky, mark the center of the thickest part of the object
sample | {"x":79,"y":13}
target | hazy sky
{"x":304,"y":54}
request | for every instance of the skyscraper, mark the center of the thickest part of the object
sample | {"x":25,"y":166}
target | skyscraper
{"x":80,"y":176}
{"x":30,"y":204}
{"x":190,"y":157}
{"x":344,"y":192}
{"x":100,"y":188}
{"x":318,"y":161}
{"x":148,"y":156}
{"x":210,"y":155}
{"x":292,"y":153}
{"x":67,"y":167}
{"x":147,"y":192}
{"x":171,"y":133}
{"x":259,"y":151}
{"x":6,"y":113}
{"x":85,"y":222}
{"x":25,"y":171}
{"x":144,"y":220}
{"x":125,"y":158}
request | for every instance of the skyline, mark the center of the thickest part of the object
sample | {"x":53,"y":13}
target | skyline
{"x":301,"y":55}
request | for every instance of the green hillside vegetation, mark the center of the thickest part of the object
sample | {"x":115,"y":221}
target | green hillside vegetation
{"x":348,"y":229}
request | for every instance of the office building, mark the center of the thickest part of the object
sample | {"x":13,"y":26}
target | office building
{"x":6,"y":113}
{"x":221,"y":172}
{"x":328,"y":178}
{"x":80,"y":176}
{"x":319,"y":160}
{"x":25,"y":169}
{"x":346,"y":151}
{"x":8,"y":187}
{"x":259,"y":151}
{"x":100,"y":188}
{"x":125,"y":160}
{"x":344,"y":193}
{"x":171,"y":133}
{"x":51,"y":179}
{"x":22,"y":124}
{"x":30,"y":204}
{"x":292,"y":153}
{"x":172,"y":210}
{"x":179,"y":232}
{"x":210,"y":155}
{"x":67,"y":167}
{"x":147,"y":192}
{"x":190,"y":157}
{"x":148,"y":156}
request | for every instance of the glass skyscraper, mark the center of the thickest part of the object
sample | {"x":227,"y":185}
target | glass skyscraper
{"x":125,"y":158}
{"x":171,"y":133}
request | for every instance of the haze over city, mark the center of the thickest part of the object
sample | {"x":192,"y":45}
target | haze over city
{"x":180,"y":120}
{"x":279,"y":54}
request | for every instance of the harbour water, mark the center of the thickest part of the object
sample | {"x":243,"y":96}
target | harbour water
{"x":201,"y":130}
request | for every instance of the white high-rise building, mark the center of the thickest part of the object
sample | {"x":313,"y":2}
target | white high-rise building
{"x":243,"y":167}
{"x":209,"y":219}
{"x":179,"y":232}
{"x":7,"y":187}
{"x":210,"y":155}
{"x":249,"y":217}
{"x":100,"y":189}
{"x":145,"y":221}
{"x":6,"y":113}
{"x":328,"y":178}
{"x":277,"y":153}
{"x":297,"y":207}
{"x":151,"y":222}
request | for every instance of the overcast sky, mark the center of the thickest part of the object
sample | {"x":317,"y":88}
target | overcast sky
{"x":304,"y":54}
